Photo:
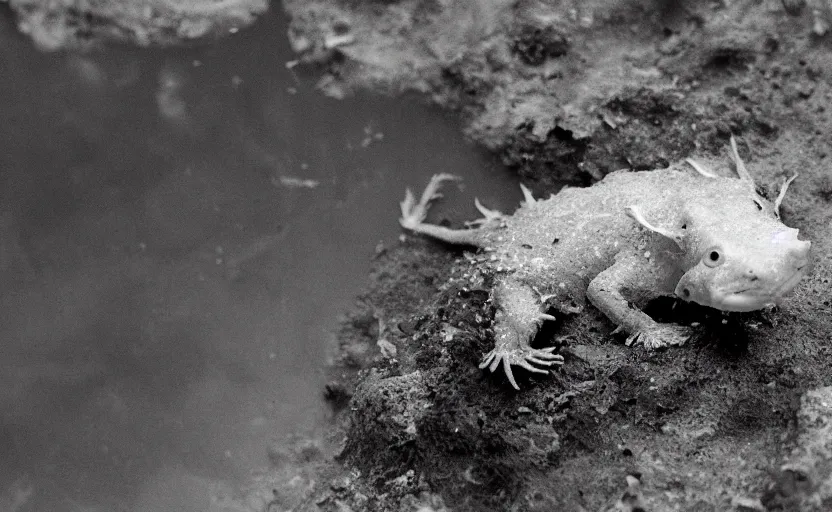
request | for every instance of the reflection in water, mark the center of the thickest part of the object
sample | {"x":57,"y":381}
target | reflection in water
{"x":179,"y":230}
{"x":17,"y":495}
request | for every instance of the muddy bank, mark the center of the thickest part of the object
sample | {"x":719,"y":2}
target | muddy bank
{"x":566,"y":92}
{"x":69,"y":24}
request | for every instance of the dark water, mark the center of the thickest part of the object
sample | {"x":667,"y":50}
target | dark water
{"x":170,"y":284}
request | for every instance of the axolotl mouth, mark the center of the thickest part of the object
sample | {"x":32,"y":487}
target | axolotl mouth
{"x":753,"y":298}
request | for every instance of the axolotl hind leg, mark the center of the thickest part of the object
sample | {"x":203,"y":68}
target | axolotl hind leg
{"x":414,"y":214}
{"x":518,"y":319}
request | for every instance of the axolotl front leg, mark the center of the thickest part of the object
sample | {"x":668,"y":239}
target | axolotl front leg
{"x":625,"y":287}
{"x":516,"y":322}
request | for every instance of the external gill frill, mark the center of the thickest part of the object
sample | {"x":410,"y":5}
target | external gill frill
{"x":744,"y":175}
{"x":783,"y":188}
{"x":635,"y":213}
{"x":701,"y":169}
{"x":742,"y":170}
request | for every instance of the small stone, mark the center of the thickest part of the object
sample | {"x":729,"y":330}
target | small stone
{"x":388,"y":349}
{"x":747,"y":505}
{"x":340,"y":483}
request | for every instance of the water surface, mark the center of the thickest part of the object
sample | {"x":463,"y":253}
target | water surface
{"x":179,"y":230}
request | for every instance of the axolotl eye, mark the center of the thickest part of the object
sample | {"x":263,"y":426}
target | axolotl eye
{"x":713,"y":257}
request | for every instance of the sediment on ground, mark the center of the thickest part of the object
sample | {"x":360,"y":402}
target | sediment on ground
{"x":566,"y":92}
{"x":78,"y":25}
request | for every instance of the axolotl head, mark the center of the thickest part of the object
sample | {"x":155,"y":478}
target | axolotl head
{"x":738,"y":255}
{"x":743,"y":262}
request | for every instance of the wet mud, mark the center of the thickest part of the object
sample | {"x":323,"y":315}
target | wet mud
{"x":563,"y":92}
{"x":566,"y":92}
{"x":75,"y":25}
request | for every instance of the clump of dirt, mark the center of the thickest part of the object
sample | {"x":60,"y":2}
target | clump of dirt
{"x":534,"y":45}
{"x":804,"y":481}
{"x":426,"y":425}
{"x":63,"y":24}
{"x":571,"y":91}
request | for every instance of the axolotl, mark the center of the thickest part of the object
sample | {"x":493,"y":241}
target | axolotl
{"x":683,"y":232}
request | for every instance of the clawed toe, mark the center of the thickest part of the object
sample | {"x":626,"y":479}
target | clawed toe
{"x":414,"y":212}
{"x":489,"y":217}
{"x":546,"y":354}
{"x":544,"y":357}
{"x":525,"y":364}
{"x":487,"y":359}
{"x":528,"y":359}
{"x":498,"y":358}
{"x":662,"y":336}
{"x":543,"y":362}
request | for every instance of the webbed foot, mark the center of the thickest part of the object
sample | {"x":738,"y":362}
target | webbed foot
{"x":524,"y":357}
{"x":663,"y":335}
{"x":414,"y":213}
